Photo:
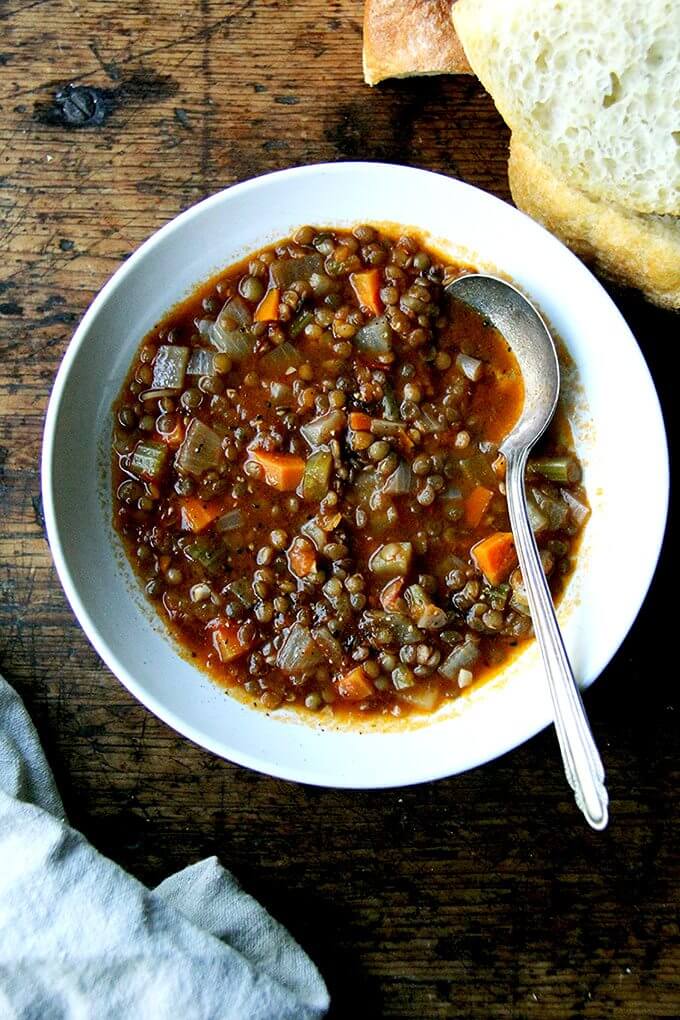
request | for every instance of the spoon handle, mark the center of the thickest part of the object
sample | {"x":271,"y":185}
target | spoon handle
{"x":582,"y":762}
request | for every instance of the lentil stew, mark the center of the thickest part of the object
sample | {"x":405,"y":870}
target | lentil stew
{"x":306,"y":478}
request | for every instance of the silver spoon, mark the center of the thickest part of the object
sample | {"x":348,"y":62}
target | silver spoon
{"x":521,"y":325}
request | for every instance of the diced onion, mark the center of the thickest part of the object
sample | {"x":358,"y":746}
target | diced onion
{"x":201,"y":362}
{"x":237,"y":343}
{"x":169,"y":367}
{"x":375,"y":337}
{"x":299,"y":652}
{"x":281,"y":358}
{"x":231,"y":521}
{"x":463,"y":655}
{"x":320,"y":430}
{"x":400,"y":482}
{"x":471,"y":368}
{"x":579,"y":511}
{"x":234,"y":312}
{"x":201,"y":450}
{"x":284,"y":272}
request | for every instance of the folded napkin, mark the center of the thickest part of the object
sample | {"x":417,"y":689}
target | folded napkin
{"x":79,"y":937}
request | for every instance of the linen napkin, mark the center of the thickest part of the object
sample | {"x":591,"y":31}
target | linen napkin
{"x":79,"y":937}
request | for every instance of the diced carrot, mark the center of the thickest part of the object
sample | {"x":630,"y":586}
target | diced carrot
{"x":283,"y":471}
{"x":476,"y":505}
{"x":175,"y":438}
{"x":495,"y":556}
{"x":164,"y":562}
{"x":355,"y":685}
{"x":366,"y":286}
{"x":197,"y":515}
{"x":360,"y":422}
{"x":268,"y":308}
{"x":227,"y":644}
{"x":301,"y":557}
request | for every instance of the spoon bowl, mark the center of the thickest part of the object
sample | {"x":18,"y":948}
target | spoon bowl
{"x":520,"y":324}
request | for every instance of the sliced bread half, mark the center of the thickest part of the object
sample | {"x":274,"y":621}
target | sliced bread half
{"x":593,"y":85}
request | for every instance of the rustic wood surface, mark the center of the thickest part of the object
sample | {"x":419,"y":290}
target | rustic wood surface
{"x":482,"y":896}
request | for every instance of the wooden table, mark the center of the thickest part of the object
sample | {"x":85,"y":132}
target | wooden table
{"x":483,"y":896}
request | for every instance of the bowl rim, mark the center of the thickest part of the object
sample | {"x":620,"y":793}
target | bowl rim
{"x":64,"y":572}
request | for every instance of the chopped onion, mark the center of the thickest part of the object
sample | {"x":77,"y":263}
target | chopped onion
{"x":465,"y":678}
{"x":157,"y":394}
{"x":320,"y":430}
{"x":428,"y":423}
{"x":471,"y":368}
{"x":234,"y":312}
{"x":329,"y":645}
{"x":281,"y":358}
{"x":537,"y":519}
{"x":317,"y":536}
{"x":201,"y":362}
{"x":200,"y":451}
{"x":284,"y":272}
{"x":463,"y":655}
{"x":169,"y":367}
{"x":375,"y":337}
{"x":299,"y":652}
{"x":281,"y":394}
{"x":400,"y":482}
{"x":231,"y":521}
{"x":556,"y":512}
{"x":579,"y":511}
{"x":237,"y":343}
{"x":452,"y":492}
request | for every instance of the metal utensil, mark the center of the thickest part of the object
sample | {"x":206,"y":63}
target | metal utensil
{"x":521,"y":325}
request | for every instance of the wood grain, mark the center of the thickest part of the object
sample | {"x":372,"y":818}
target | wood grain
{"x":481,"y":896}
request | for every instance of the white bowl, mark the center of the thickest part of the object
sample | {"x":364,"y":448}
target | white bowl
{"x":618,"y":431}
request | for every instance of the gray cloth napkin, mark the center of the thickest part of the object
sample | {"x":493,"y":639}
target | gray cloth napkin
{"x":80,"y":938}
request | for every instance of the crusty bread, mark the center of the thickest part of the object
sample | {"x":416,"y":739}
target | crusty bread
{"x":631,"y":248}
{"x":593,"y":85}
{"x":410,"y":37}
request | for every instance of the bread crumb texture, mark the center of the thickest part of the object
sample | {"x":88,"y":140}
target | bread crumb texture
{"x":593,"y":86}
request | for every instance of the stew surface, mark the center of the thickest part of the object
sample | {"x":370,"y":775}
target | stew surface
{"x":306,"y":478}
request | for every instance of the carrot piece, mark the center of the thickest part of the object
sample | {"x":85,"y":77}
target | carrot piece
{"x":301,"y":557}
{"x":268,"y":308}
{"x":164,"y":562}
{"x":175,"y":438}
{"x":366,"y":286}
{"x":355,"y":685}
{"x":196,"y":516}
{"x":476,"y":505}
{"x":360,"y":422}
{"x":283,"y":471}
{"x":495,"y":556}
{"x":227,"y":644}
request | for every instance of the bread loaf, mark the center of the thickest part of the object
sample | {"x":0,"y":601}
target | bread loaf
{"x":593,"y":86}
{"x":636,"y":249}
{"x":410,"y":37}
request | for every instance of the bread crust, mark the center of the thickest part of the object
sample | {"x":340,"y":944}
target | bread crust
{"x":404,"y":38}
{"x":635,"y":249}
